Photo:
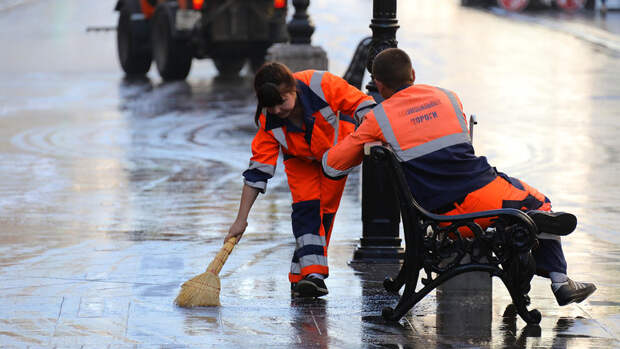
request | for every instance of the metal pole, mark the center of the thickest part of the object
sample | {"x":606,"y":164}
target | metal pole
{"x":384,"y":25}
{"x":299,"y":54}
{"x":380,"y":242}
{"x":300,"y":28}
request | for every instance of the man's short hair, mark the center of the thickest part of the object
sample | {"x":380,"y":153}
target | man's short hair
{"x":393,"y":68}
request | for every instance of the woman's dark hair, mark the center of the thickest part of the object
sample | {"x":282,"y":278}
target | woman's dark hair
{"x":272,"y":79}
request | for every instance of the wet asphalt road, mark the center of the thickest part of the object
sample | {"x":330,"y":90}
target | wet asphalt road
{"x":114,"y":192}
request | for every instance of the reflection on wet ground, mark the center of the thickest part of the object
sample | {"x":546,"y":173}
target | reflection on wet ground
{"x":114,"y":191}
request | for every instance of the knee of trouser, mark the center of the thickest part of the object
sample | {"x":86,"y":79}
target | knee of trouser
{"x":306,"y":217}
{"x":549,"y":257}
{"x":328,"y":221}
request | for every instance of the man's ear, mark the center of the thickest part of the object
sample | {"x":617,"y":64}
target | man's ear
{"x":384,"y":91}
{"x":380,"y":86}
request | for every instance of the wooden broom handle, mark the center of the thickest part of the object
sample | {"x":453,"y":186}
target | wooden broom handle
{"x":218,"y":262}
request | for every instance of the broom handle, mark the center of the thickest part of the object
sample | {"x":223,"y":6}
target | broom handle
{"x":218,"y":262}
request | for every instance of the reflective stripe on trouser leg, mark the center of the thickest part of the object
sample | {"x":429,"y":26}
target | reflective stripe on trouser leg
{"x":310,"y":243}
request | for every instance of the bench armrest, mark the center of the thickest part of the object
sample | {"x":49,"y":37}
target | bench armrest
{"x":384,"y":153}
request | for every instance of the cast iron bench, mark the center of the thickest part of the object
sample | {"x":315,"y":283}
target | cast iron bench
{"x":434,"y":245}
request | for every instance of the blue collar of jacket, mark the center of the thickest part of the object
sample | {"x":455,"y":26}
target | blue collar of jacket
{"x":310,"y":103}
{"x":274,"y":122}
{"x":403,"y":87}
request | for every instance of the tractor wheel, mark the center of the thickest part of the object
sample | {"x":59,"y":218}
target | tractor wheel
{"x":173,"y":56}
{"x":230,"y":66}
{"x":257,"y":58}
{"x":133,"y":44}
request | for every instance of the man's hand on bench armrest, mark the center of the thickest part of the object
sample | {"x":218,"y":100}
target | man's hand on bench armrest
{"x":369,"y":145}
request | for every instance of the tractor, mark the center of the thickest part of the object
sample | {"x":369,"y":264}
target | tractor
{"x":174,"y":32}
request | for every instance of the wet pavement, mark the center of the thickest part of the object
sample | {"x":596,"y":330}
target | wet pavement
{"x":114,"y":192}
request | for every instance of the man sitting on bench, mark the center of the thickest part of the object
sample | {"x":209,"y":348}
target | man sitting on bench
{"x":427,"y":129}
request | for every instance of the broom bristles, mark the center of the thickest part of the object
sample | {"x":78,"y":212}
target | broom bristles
{"x":203,"y":290}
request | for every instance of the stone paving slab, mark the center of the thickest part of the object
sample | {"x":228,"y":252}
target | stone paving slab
{"x":262,"y":314}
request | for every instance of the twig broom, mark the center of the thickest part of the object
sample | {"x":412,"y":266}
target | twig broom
{"x":204,"y":290}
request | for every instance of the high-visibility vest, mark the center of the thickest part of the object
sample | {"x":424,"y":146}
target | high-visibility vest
{"x":427,"y":129}
{"x":420,"y":120}
{"x":330,"y":107}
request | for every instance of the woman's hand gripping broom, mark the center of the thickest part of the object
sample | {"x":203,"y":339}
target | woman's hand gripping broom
{"x":204,"y":290}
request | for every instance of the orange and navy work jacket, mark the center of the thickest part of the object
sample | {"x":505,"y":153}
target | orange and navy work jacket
{"x":331,"y":107}
{"x":427,"y":129}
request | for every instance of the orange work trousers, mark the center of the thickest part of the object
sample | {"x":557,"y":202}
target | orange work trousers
{"x":315,"y":201}
{"x":502,"y":192}
{"x":508,"y":192}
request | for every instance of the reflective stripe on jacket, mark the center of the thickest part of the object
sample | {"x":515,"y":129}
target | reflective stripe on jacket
{"x":426,"y":127}
{"x":330,"y":107}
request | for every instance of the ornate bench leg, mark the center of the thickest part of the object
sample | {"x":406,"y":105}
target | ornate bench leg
{"x":406,"y":302}
{"x":521,"y":302}
{"x":410,"y":298}
{"x":394,"y":285}
{"x":517,"y":279}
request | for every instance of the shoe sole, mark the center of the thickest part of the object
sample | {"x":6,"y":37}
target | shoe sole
{"x":556,"y":223}
{"x":309,"y":289}
{"x":580,"y":297}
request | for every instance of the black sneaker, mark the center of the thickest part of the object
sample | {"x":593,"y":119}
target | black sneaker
{"x":311,"y":287}
{"x":572,"y":291}
{"x":557,"y":223}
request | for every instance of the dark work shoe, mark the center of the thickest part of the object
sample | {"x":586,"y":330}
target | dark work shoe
{"x":311,"y":287}
{"x":572,"y":291}
{"x":556,"y":223}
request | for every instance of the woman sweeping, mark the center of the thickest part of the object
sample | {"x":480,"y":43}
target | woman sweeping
{"x":302,"y":114}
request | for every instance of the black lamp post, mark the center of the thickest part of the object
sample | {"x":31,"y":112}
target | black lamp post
{"x":384,"y":25}
{"x":380,"y":242}
{"x":300,"y":28}
{"x":299,"y":54}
